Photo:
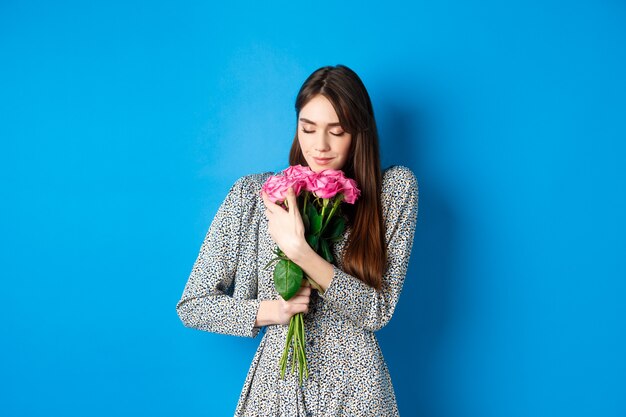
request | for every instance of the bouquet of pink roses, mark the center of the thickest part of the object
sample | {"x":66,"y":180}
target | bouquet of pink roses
{"x":319,"y":197}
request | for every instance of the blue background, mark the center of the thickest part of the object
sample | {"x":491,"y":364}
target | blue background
{"x":123,"y":125}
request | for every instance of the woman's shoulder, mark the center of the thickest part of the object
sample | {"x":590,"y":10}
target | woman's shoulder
{"x":399,"y":177}
{"x":399,"y":196}
{"x":246,"y":191}
{"x":251,"y":182}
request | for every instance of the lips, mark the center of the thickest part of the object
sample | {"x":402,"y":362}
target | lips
{"x":322,"y":161}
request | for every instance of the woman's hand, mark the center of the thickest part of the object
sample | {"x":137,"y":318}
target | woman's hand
{"x":299,"y":303}
{"x":280,"y":311}
{"x":285,"y":226}
{"x":287,"y":230}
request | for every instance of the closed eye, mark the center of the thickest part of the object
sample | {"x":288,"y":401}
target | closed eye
{"x":308,"y":131}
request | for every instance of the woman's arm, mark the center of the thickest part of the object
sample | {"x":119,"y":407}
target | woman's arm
{"x":220,"y":294}
{"x":362,"y":304}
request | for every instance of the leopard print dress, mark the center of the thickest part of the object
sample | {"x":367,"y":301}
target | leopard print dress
{"x":348,"y":375}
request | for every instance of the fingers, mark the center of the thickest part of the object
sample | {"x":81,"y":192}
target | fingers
{"x":304,"y":298}
{"x":269,"y":205}
{"x":295,"y":305}
{"x":303,"y":293}
{"x":300,"y":299}
{"x":299,"y":303}
{"x":305,"y":289}
{"x":291,"y":200}
{"x":273,"y":208}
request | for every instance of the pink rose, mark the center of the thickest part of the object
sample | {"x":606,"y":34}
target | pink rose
{"x":324,"y":184}
{"x":309,"y":182}
{"x":297,"y":171}
{"x":296,"y":176}
{"x":297,"y":184}
{"x":331,"y":173}
{"x":327,"y":183}
{"x":350,"y":191}
{"x":276,"y":188}
{"x":301,"y":175}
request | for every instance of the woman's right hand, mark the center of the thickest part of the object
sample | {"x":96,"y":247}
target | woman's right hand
{"x":299,"y":303}
{"x":280,"y":311}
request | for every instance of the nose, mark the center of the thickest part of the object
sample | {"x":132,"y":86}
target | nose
{"x":321,"y":142}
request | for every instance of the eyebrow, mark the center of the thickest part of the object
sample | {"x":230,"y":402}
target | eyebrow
{"x":302,"y":119}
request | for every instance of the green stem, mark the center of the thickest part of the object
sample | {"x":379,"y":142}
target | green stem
{"x":293,"y":359}
{"x":330,"y":216}
{"x":306,"y":200}
{"x":283,"y":359}
{"x":298,"y":347}
{"x":303,"y":345}
{"x":296,"y":353}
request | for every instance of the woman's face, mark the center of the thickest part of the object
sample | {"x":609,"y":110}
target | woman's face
{"x":324,"y":143}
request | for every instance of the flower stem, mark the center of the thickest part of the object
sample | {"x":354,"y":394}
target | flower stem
{"x":330,"y":215}
{"x":305,"y":368}
{"x":306,"y":200}
{"x":283,"y":359}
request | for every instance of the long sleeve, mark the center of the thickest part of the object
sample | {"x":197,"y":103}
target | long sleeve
{"x":351,"y":297}
{"x":221,"y":292}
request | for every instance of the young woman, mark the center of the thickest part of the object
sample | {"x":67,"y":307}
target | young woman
{"x":229,"y":290}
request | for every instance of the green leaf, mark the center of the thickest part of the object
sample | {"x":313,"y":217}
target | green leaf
{"x":313,"y":241}
{"x":326,"y":253}
{"x":316,"y":223}
{"x":315,"y":219}
{"x":287,"y":278}
{"x":335,"y":228}
{"x":310,"y":210}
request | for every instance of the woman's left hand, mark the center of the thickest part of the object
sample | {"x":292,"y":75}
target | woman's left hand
{"x":285,"y":226}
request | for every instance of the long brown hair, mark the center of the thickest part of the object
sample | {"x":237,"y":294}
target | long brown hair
{"x":365,"y":254}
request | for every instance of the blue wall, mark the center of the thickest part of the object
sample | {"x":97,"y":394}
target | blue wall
{"x":123,"y":125}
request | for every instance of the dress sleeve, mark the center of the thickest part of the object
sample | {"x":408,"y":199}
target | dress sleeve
{"x":221,"y":292}
{"x":351,"y":297}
